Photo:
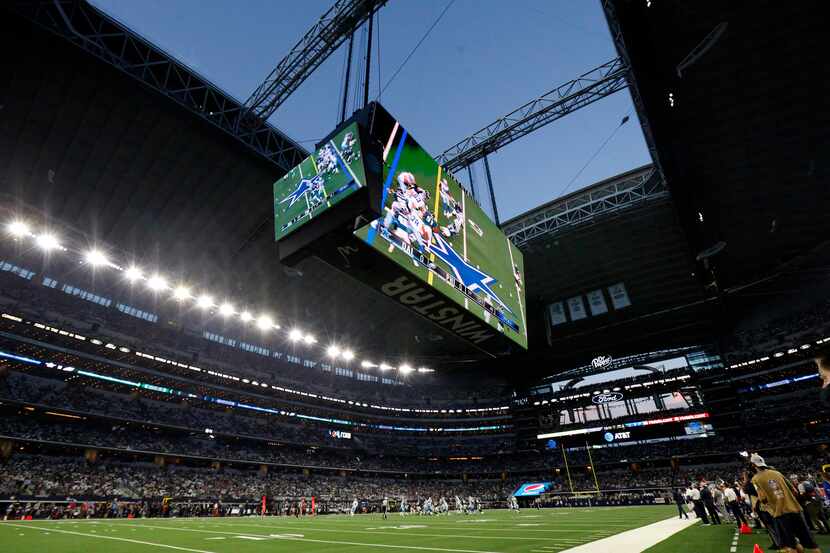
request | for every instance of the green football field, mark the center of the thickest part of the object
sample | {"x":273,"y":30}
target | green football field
{"x":548,"y":530}
{"x":720,"y":539}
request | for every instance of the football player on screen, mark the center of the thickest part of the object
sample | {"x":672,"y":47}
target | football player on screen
{"x":347,"y":147}
{"x":517,"y":276}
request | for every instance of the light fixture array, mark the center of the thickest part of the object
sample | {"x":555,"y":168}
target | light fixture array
{"x":159,"y":285}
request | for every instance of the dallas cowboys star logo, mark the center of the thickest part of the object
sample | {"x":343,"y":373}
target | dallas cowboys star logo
{"x":303,"y":188}
{"x":471,"y":277}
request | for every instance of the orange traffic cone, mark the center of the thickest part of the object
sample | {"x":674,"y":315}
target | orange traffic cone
{"x":745,"y":529}
{"x":757,"y":549}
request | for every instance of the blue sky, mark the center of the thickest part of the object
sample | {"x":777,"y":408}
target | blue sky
{"x":485,"y":58}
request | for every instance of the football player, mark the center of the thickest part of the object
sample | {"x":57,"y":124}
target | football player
{"x":347,"y":147}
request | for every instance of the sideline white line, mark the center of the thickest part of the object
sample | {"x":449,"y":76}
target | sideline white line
{"x":389,"y":532}
{"x":554,"y":526}
{"x":636,"y":540}
{"x":522,"y":530}
{"x":333,"y":542}
{"x":483,"y":525}
{"x":32,"y":527}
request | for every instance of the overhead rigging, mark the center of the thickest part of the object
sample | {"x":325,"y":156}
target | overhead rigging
{"x":319,"y":42}
{"x":565,"y":99}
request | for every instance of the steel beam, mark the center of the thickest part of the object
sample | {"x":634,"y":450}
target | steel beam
{"x":621,"y":192}
{"x":319,"y":42}
{"x":586,"y":89}
{"x":492,"y":191}
{"x":105,"y":38}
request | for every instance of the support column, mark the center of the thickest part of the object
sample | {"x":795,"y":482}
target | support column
{"x":567,"y":468}
{"x":492,"y":192}
{"x":472,"y":184}
{"x":368,"y":61}
{"x":347,"y":78}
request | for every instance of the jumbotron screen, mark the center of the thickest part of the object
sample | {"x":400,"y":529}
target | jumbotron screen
{"x":323,"y":179}
{"x":430,"y":227}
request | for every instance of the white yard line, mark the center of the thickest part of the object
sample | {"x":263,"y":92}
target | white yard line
{"x":518,"y":291}
{"x":482,"y":525}
{"x":560,"y":528}
{"x":391,"y":140}
{"x":734,"y":546}
{"x":636,"y":540}
{"x":100,"y":537}
{"x":464,"y":235}
{"x":391,"y":532}
{"x":333,"y":542}
{"x":348,"y":167}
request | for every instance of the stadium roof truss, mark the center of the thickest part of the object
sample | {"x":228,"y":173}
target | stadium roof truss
{"x":577,"y":93}
{"x":319,"y":42}
{"x":615,"y":194}
{"x":105,"y":38}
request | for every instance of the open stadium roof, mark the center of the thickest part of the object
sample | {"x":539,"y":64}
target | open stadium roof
{"x":127,"y":164}
{"x":738,"y":159}
{"x":136,"y":162}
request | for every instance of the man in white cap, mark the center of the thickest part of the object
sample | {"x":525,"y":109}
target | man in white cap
{"x":697,"y":503}
{"x":777,"y":493}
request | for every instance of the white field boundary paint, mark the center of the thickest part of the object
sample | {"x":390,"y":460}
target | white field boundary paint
{"x":286,"y":537}
{"x":100,"y":537}
{"x":636,"y":540}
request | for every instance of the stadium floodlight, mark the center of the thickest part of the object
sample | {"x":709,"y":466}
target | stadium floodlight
{"x":205,"y":301}
{"x":385,"y":367}
{"x":246,"y":316}
{"x":157,"y":283}
{"x":425,"y":370}
{"x":405,"y":369}
{"x":367,"y":365}
{"x":333,"y":351}
{"x":47,"y":242}
{"x":181,"y":293}
{"x":226,"y":309}
{"x":264,"y":322}
{"x":133,"y":274}
{"x":309,"y":339}
{"x":348,"y":354}
{"x":18,"y":229}
{"x":96,"y":258}
{"x":295,"y":335}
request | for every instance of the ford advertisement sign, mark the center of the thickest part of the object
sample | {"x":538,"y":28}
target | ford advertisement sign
{"x":606,"y":397}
